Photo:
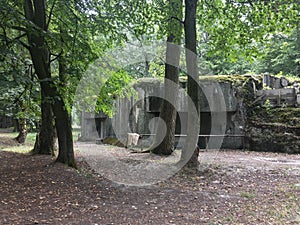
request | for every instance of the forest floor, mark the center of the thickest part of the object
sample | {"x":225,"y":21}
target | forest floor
{"x":230,"y":187}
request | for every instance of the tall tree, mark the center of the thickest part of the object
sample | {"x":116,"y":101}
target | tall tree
{"x":191,"y":151}
{"x":35,"y":12}
{"x":165,"y":134}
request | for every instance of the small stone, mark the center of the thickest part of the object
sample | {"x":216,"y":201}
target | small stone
{"x":216,"y":182}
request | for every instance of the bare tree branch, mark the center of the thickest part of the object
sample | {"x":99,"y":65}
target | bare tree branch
{"x":56,"y":56}
{"x":50,"y":15}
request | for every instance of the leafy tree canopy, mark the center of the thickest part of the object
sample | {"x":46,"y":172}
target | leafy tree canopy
{"x":229,"y":23}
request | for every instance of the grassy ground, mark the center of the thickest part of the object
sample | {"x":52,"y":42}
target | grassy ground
{"x":8,"y":144}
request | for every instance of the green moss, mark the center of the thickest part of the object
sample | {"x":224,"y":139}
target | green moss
{"x":147,"y":82}
{"x":236,"y":80}
{"x":276,"y":129}
{"x":289,"y":116}
{"x":113,"y":141}
{"x":290,"y":78}
{"x":226,"y":78}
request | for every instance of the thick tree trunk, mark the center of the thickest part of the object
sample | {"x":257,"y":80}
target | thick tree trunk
{"x":193,"y":162}
{"x":44,"y":139}
{"x":165,"y":135}
{"x":191,"y":150}
{"x":35,"y":11}
{"x":21,"y":138}
{"x":64,"y":134}
{"x":63,"y":125}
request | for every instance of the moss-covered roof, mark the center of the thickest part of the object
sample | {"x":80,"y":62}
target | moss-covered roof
{"x":235,"y":79}
{"x":147,"y":81}
{"x":225,"y":78}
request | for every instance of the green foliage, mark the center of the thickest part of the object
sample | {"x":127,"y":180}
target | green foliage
{"x":233,"y":31}
{"x":103,"y":83}
{"x":157,"y":69}
{"x":117,"y":86}
{"x":72,"y":44}
{"x":279,"y":56}
{"x":282,"y":55}
{"x":19,"y":94}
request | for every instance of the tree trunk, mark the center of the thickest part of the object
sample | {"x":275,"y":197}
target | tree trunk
{"x":64,"y":134}
{"x":298,"y":47}
{"x":191,"y":151}
{"x":147,"y":66}
{"x":35,"y":11}
{"x":21,"y":138}
{"x":21,"y":123}
{"x":165,"y":135}
{"x":44,"y":140}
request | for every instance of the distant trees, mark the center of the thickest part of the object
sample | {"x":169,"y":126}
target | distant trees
{"x":243,"y":36}
{"x":19,"y":93}
{"x":282,"y":55}
{"x":278,"y":54}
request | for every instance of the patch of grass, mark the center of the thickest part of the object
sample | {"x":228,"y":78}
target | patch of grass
{"x":75,"y":133}
{"x":7,"y":142}
{"x":249,"y":195}
{"x":19,"y":149}
{"x":30,"y":140}
{"x":84,"y":172}
{"x":287,"y":208}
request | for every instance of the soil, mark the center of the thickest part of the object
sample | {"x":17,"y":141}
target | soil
{"x":229,"y":187}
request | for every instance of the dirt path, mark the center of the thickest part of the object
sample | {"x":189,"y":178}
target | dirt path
{"x":122,"y":166}
{"x":233,"y":187}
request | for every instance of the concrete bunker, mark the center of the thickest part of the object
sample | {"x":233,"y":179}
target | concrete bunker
{"x":233,"y":112}
{"x":221,"y":116}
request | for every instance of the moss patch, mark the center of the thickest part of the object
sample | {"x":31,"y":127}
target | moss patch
{"x":275,"y":129}
{"x":113,"y":141}
{"x":147,"y":82}
{"x":234,"y":79}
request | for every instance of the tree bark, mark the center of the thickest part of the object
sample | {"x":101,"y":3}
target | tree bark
{"x":21,"y":122}
{"x":298,"y":46}
{"x":44,"y":140}
{"x":191,"y":151}
{"x":64,"y":134}
{"x":165,"y":135}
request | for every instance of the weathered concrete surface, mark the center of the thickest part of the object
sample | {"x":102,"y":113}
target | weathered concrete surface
{"x":227,"y":105}
{"x":220,"y":108}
